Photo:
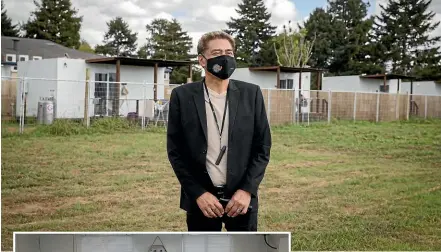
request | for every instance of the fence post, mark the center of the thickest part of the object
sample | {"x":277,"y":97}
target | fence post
{"x":23,"y":104}
{"x":269,"y":106}
{"x":397,"y":107}
{"x":294,"y":107}
{"x":90,"y":101}
{"x":355,"y":105}
{"x":301,"y":116}
{"x":407,"y":107}
{"x":329,"y":105}
{"x":309,"y":105}
{"x":378,"y":107}
{"x":425,"y":107}
{"x":144,"y":98}
{"x":86,"y":99}
{"x":22,"y":99}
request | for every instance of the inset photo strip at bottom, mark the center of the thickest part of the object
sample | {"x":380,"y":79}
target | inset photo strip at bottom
{"x":152,"y":242}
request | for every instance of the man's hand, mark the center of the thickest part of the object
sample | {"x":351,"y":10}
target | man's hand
{"x":210,"y":205}
{"x":238,"y":204}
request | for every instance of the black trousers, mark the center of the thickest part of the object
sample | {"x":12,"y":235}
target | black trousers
{"x":197,"y":222}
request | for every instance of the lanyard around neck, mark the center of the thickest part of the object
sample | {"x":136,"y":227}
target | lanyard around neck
{"x":214,"y":114}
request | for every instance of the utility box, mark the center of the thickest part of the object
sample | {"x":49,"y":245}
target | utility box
{"x":46,"y":110}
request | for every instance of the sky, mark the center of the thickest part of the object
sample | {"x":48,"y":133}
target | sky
{"x":196,"y":16}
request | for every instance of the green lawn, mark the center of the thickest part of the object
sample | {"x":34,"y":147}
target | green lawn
{"x":344,"y":186}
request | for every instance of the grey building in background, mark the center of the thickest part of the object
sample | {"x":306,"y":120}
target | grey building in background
{"x":23,"y":49}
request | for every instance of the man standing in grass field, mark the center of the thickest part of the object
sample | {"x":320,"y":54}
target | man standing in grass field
{"x":218,"y":142}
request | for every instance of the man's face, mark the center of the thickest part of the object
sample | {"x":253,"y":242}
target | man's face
{"x":215,"y":48}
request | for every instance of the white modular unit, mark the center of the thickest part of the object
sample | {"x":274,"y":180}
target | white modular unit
{"x":42,"y":84}
{"x":421,"y":88}
{"x":65,"y":80}
{"x":268,"y":79}
{"x":261,"y":78}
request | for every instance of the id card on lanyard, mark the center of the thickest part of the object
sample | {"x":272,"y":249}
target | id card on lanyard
{"x":220,"y":130}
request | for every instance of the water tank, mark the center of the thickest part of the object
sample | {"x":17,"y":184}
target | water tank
{"x":40,"y":112}
{"x":48,"y":112}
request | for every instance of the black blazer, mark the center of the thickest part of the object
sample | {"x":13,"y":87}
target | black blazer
{"x":249,"y":141}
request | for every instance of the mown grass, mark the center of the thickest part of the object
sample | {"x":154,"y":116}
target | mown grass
{"x":345,"y":186}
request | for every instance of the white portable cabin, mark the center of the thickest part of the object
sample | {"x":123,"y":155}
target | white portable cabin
{"x":65,"y":80}
{"x":385,"y":83}
{"x":360,"y":83}
{"x":280,"y":78}
{"x":266,"y":77}
{"x":421,"y":88}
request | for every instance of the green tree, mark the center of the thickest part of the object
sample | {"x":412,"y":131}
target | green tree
{"x":375,"y":60}
{"x":253,"y":34}
{"x":85,"y":47}
{"x":167,"y":40}
{"x":143,"y":52}
{"x":428,"y":65}
{"x":350,"y":28}
{"x":119,"y":39}
{"x":292,"y":48}
{"x":55,"y":20}
{"x":7,"y":28}
{"x":402,"y":36}
{"x":197,"y":73}
{"x":319,"y":27}
{"x":155,"y":46}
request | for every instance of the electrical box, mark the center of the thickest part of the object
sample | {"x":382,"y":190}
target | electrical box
{"x":384,"y":89}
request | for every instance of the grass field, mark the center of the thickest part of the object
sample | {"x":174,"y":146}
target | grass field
{"x":344,"y":186}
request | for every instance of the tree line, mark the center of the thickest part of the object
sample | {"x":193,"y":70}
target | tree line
{"x":341,"y":38}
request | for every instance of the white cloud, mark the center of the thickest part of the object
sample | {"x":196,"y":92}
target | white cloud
{"x":221,"y":13}
{"x":195,"y":38}
{"x":437,"y":31}
{"x":281,"y":12}
{"x":164,"y":15}
{"x":378,"y":10}
{"x":95,"y":37}
{"x":436,"y":6}
{"x":281,"y":9}
{"x":160,"y":5}
{"x":196,"y":17}
{"x":130,"y":8}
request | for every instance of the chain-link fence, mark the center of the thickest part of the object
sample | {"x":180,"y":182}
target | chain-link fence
{"x":9,"y":96}
{"x":28,"y":102}
{"x":134,"y":101}
{"x":309,"y":106}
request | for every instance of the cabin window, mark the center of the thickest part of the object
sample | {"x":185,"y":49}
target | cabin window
{"x":282,"y":84}
{"x":290,"y":84}
{"x":286,"y":84}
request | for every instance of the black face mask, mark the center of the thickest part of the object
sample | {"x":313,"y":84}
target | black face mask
{"x":221,"y":66}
